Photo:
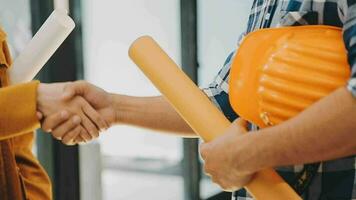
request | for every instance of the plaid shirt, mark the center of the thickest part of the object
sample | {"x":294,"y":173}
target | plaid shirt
{"x":334,"y":179}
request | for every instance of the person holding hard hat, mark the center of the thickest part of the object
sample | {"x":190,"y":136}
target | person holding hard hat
{"x":21,"y":107}
{"x":314,"y":151}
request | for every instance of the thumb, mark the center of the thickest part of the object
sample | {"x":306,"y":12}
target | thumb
{"x":73,"y":89}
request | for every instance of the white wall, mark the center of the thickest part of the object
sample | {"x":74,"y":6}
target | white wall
{"x":110,"y":26}
{"x":15,"y":19}
{"x":220,"y":24}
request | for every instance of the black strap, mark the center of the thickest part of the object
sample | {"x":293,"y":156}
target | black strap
{"x":303,"y":179}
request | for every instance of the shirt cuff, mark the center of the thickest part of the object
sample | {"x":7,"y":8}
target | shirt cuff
{"x":221,"y":101}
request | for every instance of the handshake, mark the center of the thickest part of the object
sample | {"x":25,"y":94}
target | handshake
{"x":74,"y":112}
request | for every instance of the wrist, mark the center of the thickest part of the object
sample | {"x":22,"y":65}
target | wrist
{"x":118,"y":104}
{"x":269,"y":151}
{"x":127,"y":108}
{"x":41,"y":88}
{"x":253,"y":153}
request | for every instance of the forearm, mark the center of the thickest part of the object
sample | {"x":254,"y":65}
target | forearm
{"x":324,"y":131}
{"x":150,"y":112}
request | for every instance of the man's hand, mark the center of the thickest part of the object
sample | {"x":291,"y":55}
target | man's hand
{"x":99,"y":99}
{"x":67,"y":119}
{"x":223,"y":160}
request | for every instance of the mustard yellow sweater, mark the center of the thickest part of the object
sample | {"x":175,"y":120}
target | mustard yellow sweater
{"x":21,"y":175}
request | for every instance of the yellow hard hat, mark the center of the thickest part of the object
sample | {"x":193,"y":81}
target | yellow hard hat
{"x":279,"y":72}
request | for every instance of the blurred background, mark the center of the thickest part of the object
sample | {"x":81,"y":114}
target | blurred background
{"x":129,"y":163}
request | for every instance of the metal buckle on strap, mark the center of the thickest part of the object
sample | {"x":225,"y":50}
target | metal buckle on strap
{"x":265,"y":118}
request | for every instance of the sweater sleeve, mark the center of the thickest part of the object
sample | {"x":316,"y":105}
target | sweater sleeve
{"x":18,"y":110}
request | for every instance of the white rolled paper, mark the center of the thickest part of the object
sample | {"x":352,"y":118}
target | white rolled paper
{"x":46,"y":41}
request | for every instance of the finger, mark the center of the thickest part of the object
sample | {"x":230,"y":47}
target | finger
{"x":79,"y":139}
{"x":206,"y":171}
{"x":69,"y":137}
{"x":39,"y":115}
{"x":69,"y":91}
{"x":95,"y":117}
{"x":204,"y":148}
{"x":54,"y":120}
{"x":85,"y":135}
{"x":67,"y":126}
{"x":89,"y":127}
{"x":225,"y":187}
{"x":241,"y":122}
{"x":74,"y":88}
{"x":214,"y":180}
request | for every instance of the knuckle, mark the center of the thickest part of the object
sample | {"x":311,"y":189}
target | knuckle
{"x":203,"y":154}
{"x":204,"y":151}
{"x":206,"y":170}
{"x":67,"y":85}
{"x":215,"y":180}
{"x":224,"y":186}
{"x":81,"y":83}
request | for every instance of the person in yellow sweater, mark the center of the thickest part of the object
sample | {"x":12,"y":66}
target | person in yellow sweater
{"x":21,"y":108}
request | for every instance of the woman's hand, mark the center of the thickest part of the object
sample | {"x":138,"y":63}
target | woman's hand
{"x":67,"y":118}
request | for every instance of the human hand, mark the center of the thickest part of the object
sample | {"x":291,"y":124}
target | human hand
{"x":97,"y":97}
{"x":224,"y":160}
{"x":67,"y":119}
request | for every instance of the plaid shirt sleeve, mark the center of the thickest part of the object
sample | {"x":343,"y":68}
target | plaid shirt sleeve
{"x":217,"y":91}
{"x":349,"y":34}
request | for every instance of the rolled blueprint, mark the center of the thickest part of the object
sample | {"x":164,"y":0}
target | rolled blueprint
{"x":197,"y":110}
{"x":46,"y":41}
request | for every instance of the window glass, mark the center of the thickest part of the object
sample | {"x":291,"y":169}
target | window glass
{"x":219,"y":25}
{"x":137,"y":163}
{"x":15,"y":19}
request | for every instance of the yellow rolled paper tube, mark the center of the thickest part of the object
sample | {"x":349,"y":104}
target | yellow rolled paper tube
{"x":197,"y":110}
